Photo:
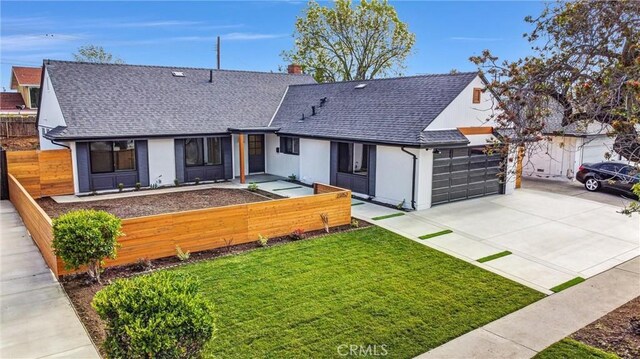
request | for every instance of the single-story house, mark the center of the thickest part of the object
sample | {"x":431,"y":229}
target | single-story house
{"x":415,"y":140}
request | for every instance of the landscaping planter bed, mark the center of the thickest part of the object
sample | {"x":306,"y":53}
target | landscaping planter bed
{"x":151,"y":204}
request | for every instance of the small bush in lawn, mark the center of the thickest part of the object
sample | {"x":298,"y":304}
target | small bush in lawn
{"x":355,"y":223}
{"x":263,"y":241}
{"x":155,"y":316}
{"x":86,"y":238}
{"x":253,"y":187}
{"x":297,"y":234}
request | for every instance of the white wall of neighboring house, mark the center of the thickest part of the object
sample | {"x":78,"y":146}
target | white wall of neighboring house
{"x":280,"y":164}
{"x":162,"y":161}
{"x":315,"y":157}
{"x":462,"y":112}
{"x":394,"y":170}
{"x":50,"y":114}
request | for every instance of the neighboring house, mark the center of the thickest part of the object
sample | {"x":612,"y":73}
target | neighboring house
{"x":567,"y":147}
{"x":415,"y":140}
{"x":26,"y":82}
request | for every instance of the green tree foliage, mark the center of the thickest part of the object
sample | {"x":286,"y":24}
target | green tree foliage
{"x":155,"y":316}
{"x":346,"y":42}
{"x":97,"y":54}
{"x":585,"y":70}
{"x":86,"y":238}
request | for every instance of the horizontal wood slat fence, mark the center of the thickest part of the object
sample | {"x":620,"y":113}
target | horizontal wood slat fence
{"x":18,"y":126}
{"x":197,"y":230}
{"x":42,"y":173}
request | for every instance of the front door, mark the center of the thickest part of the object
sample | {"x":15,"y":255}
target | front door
{"x":256,"y":153}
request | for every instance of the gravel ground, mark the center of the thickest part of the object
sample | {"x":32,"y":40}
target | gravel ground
{"x":128,"y":207}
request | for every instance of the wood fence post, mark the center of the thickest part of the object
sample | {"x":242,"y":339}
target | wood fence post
{"x":4,"y":180}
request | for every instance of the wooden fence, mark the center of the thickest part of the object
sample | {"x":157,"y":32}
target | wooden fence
{"x":18,"y":126}
{"x":37,"y":222}
{"x":42,"y":173}
{"x":157,"y":236}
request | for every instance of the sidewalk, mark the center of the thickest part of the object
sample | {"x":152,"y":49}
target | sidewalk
{"x":525,"y":332}
{"x":36,"y":318}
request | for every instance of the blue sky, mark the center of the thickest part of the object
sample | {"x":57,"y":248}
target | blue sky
{"x":253,"y":33}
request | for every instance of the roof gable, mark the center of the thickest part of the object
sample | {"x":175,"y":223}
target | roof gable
{"x":25,"y":76}
{"x":392,"y":110}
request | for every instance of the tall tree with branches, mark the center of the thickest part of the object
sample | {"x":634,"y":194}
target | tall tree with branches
{"x":347,"y":42}
{"x":585,"y":69}
{"x":97,"y":54}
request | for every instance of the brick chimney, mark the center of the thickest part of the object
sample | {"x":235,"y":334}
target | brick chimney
{"x":294,"y":69}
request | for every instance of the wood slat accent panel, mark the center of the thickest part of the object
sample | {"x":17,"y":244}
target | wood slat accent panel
{"x":36,"y":220}
{"x":476,"y":130}
{"x":42,"y":173}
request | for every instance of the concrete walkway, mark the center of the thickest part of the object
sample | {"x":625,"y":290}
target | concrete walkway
{"x":36,"y":318}
{"x":524,"y":333}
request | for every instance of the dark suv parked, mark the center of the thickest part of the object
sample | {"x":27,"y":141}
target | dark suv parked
{"x":613,"y":175}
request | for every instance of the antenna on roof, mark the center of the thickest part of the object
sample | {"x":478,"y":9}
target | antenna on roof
{"x":218,"y":52}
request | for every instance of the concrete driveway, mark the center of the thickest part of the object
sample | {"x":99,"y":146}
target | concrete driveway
{"x":552,"y":237}
{"x":575,"y":189}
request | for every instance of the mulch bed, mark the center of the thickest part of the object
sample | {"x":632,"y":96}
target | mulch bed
{"x":147,"y":205}
{"x":617,"y":332}
{"x":81,"y":289}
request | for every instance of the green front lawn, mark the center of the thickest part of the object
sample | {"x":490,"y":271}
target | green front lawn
{"x":366,"y":287}
{"x":572,"y":349}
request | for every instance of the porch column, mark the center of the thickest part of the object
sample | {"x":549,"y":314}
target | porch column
{"x":241,"y":144}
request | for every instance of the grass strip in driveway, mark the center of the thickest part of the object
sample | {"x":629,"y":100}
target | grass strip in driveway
{"x":388,"y":216}
{"x":431,"y":235}
{"x":567,"y":284}
{"x":494,"y":256}
{"x":356,"y":204}
{"x":569,"y":348}
{"x":364,"y":287}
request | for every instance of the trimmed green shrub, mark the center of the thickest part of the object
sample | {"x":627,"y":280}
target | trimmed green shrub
{"x":155,"y":316}
{"x":86,"y":238}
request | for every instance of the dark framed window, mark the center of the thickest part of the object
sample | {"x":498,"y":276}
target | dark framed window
{"x":34,"y":94}
{"x":214,"y":151}
{"x":112,"y":156}
{"x":290,"y":145}
{"x":353,"y":158}
{"x":198,"y":152}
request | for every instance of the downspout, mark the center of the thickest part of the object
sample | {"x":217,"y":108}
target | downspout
{"x":413,"y":178}
{"x":59,"y":144}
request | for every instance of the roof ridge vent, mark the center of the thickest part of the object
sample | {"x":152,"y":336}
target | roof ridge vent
{"x":177,"y":73}
{"x":360,"y":86}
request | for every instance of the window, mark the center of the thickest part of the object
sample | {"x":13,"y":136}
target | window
{"x":198,"y":152}
{"x":34,"y":94}
{"x":112,"y":156}
{"x":290,"y":145}
{"x":353,"y":158}
{"x":193,"y":152}
{"x":477,"y":95}
{"x":214,"y":151}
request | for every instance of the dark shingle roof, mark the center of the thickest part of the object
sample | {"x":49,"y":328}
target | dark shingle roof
{"x":108,"y":100}
{"x":443,"y":137}
{"x":394,"y":110}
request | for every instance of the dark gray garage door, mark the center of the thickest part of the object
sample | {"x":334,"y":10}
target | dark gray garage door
{"x":462,"y":173}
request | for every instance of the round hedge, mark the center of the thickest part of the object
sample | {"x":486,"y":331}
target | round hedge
{"x":155,"y":316}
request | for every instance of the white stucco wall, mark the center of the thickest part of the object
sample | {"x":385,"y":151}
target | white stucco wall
{"x":462,"y":112}
{"x":50,"y":113}
{"x":559,"y":157}
{"x":162,"y":161}
{"x":280,"y":164}
{"x":315,"y":157}
{"x":425,"y":178}
{"x":394,"y":169}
